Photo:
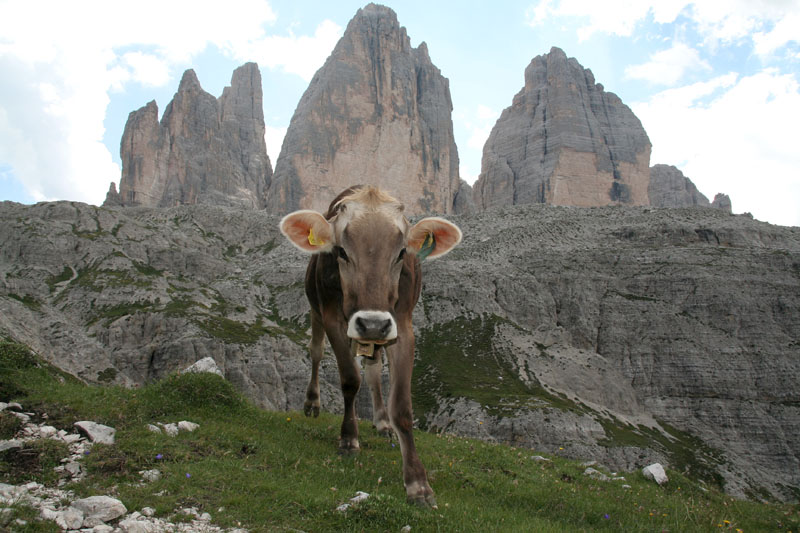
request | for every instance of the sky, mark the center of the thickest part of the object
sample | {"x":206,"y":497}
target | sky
{"x":715,"y":83}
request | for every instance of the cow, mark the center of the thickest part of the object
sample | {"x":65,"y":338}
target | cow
{"x":362,"y":283}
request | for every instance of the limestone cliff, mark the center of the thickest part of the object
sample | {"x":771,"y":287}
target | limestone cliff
{"x":670,"y":188}
{"x":204,"y":150}
{"x":377,"y":112}
{"x":564,"y":141}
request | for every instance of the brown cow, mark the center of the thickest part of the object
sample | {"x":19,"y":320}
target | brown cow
{"x":363,"y":281}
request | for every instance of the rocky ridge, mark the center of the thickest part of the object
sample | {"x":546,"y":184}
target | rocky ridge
{"x":203,"y":151}
{"x":377,"y":112}
{"x":628,"y":335}
{"x":670,"y":188}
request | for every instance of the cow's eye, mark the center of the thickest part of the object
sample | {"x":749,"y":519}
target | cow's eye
{"x":401,"y":256}
{"x":341,"y":254}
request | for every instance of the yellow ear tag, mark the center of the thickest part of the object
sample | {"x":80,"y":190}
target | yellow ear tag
{"x":312,"y":240}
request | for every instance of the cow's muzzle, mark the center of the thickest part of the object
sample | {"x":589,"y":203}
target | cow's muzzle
{"x":372,"y":326}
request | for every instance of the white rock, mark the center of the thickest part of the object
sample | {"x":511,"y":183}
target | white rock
{"x":205,"y":517}
{"x":150,"y":475}
{"x":13,"y":406}
{"x":131,"y":525}
{"x":10,"y":444}
{"x":655,"y":472}
{"x":148,"y":511}
{"x":73,"y":468}
{"x":153,"y":429}
{"x":71,"y":438}
{"x":102,"y":528}
{"x":99,"y":509}
{"x":405,"y":529}
{"x":22,"y":416}
{"x":207,"y":364}
{"x":3,"y":406}
{"x":595,"y":474}
{"x":540,"y":459}
{"x":96,"y":432}
{"x":183,"y":425}
{"x":69,"y":519}
{"x":47,"y":431}
{"x":170,"y":429}
{"x":359,"y":497}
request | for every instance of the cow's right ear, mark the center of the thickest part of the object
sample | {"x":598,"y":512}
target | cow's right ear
{"x":308,"y":230}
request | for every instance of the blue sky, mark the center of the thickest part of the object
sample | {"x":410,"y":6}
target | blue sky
{"x":715,"y":84}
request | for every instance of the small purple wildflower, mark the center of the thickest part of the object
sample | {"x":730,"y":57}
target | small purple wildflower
{"x":188,"y":475}
{"x":159,"y":456}
{"x":86,"y":452}
{"x":606,"y":516}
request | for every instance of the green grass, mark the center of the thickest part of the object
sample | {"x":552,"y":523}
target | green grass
{"x":279,"y":471}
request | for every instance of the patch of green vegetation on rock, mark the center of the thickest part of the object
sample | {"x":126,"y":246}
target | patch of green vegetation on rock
{"x":27,"y":300}
{"x":34,"y":461}
{"x":232,"y":331}
{"x":65,"y":275}
{"x":686,"y":453}
{"x":459,"y":359}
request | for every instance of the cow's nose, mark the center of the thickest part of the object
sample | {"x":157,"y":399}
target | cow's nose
{"x":372,"y":326}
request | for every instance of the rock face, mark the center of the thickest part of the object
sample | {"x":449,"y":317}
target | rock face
{"x":564,"y":141}
{"x":670,"y":188}
{"x":204,"y":151}
{"x":631,"y":335}
{"x":378,"y":112}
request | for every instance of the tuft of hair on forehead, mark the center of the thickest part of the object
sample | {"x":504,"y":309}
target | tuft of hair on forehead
{"x":372,"y":198}
{"x":358,"y":201}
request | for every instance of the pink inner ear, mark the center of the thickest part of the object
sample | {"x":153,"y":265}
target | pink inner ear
{"x":446,"y":238}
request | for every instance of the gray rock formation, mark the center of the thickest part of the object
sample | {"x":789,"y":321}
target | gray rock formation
{"x":722,"y":201}
{"x":670,"y":188}
{"x":629,"y":335}
{"x":564,"y":141}
{"x":204,"y":151}
{"x":377,"y":112}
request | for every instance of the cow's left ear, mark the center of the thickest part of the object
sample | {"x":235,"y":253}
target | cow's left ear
{"x":433,"y":237}
{"x":308,"y":230}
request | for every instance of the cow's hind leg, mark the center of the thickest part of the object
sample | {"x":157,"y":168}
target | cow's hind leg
{"x":373,"y":368}
{"x":316,"y":351}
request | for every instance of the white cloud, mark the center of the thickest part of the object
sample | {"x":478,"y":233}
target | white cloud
{"x":784,"y":32}
{"x":667,"y":67}
{"x":302,"y":55}
{"x":476,"y":126}
{"x":273,"y":136}
{"x":718,"y":22}
{"x":734,"y":135}
{"x":60,"y":60}
{"x":616,"y":17}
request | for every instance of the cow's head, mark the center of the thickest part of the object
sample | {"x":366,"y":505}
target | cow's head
{"x":371,"y":240}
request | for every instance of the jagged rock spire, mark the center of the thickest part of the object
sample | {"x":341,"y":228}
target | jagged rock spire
{"x":377,"y":112}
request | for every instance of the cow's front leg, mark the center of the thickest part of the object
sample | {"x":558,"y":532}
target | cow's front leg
{"x":312,"y":404}
{"x":373,"y":368}
{"x":401,"y":362}
{"x":350,"y":376}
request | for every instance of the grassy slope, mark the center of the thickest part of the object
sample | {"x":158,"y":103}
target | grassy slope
{"x":271,"y":471}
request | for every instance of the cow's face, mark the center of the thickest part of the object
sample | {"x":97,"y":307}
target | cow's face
{"x":371,"y":241}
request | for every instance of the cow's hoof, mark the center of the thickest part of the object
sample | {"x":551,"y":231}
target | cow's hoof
{"x":311,"y":409}
{"x":349,"y":447}
{"x":427,"y":501}
{"x":384,"y":429}
{"x":421,"y":494}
